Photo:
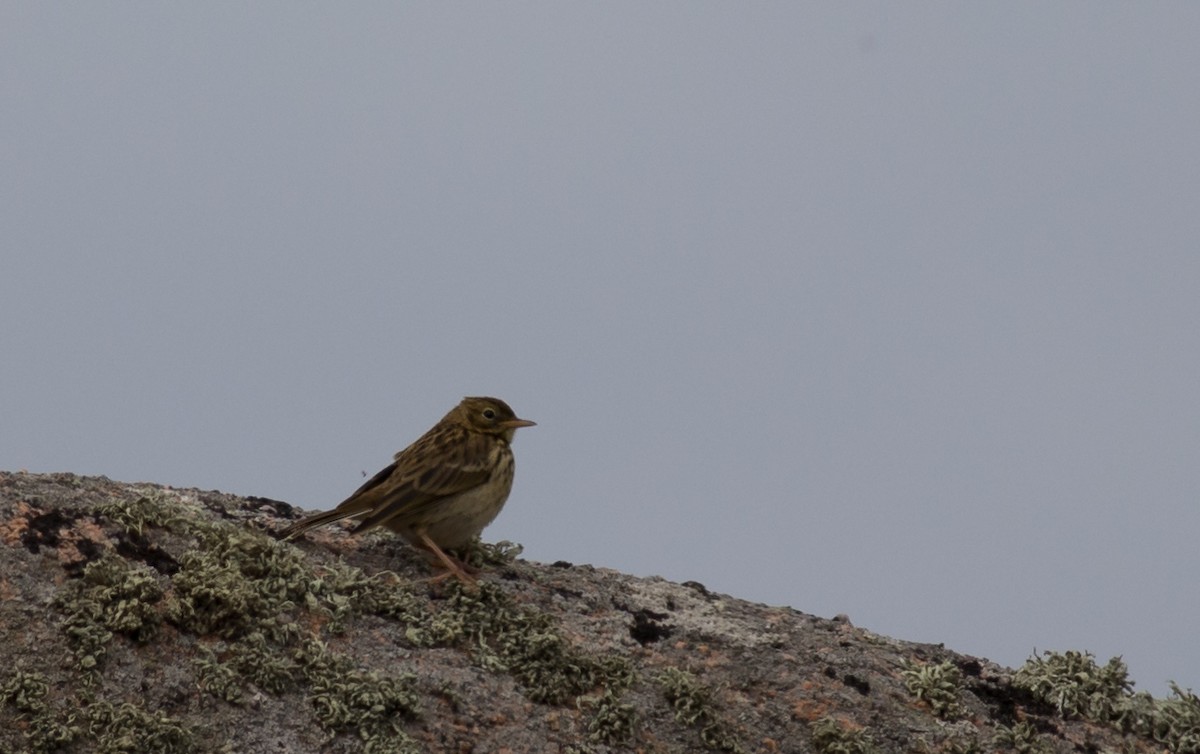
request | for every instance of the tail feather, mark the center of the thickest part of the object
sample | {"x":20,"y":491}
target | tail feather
{"x":319,"y":519}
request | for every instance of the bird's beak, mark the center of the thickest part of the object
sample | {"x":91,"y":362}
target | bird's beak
{"x":515,"y":423}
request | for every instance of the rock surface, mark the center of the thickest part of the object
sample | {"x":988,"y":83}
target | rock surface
{"x":139,"y":617}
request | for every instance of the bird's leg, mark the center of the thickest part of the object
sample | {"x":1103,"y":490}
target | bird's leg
{"x":453,"y":566}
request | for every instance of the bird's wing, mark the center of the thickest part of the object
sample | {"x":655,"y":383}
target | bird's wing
{"x":355,"y":505}
{"x":423,"y":474}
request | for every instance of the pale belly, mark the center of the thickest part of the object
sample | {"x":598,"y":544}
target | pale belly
{"x":461,"y":518}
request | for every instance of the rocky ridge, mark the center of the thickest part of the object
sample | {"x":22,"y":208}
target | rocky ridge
{"x":140,"y":617}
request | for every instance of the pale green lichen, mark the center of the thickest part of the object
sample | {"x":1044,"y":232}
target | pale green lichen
{"x":368,"y":703}
{"x":152,"y":508}
{"x":346,"y":592}
{"x":252,"y":657}
{"x":483,"y":555}
{"x":113,"y":596}
{"x":260,"y":608}
{"x":832,"y":737}
{"x":46,"y":730}
{"x":1175,"y":721}
{"x":612,"y":721}
{"x":26,"y":692}
{"x":218,"y":678}
{"x":1022,"y":737}
{"x":952,"y":744}
{"x":935,"y":685}
{"x":522,"y":642}
{"x":1076,"y":685}
{"x":692,"y":702}
{"x":52,"y":734}
{"x":238,"y":581}
{"x":120,"y":728}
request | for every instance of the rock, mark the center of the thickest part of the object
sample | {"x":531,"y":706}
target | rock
{"x":139,"y":617}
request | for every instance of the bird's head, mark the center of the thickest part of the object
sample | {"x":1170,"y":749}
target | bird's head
{"x":490,"y":415}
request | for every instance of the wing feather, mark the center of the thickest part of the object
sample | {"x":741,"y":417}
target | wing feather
{"x":445,"y":461}
{"x":430,"y":470}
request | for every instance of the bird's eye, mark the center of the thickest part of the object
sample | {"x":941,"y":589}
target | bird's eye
{"x":489,"y":414}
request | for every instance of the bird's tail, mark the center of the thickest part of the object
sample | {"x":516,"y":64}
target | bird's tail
{"x":319,"y":519}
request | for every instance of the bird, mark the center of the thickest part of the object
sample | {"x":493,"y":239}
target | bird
{"x":440,"y":492}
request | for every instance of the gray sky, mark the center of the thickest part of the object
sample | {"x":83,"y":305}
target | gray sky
{"x":880,"y":309}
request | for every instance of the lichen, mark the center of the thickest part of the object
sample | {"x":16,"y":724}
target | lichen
{"x":26,"y":692}
{"x":481,"y":554}
{"x":238,"y":581}
{"x":1175,"y":721}
{"x":152,"y":508}
{"x":113,"y":596}
{"x":692,"y":702}
{"x":612,"y":722}
{"x":259,"y":612}
{"x":832,"y":737}
{"x":346,"y":699}
{"x":252,"y":657}
{"x":936,"y":685}
{"x":522,"y":642}
{"x":217,"y":678}
{"x":950,"y":744}
{"x":1076,"y":685}
{"x":1022,"y":737}
{"x":45,"y":729}
{"x":128,"y":728}
{"x":346,"y":592}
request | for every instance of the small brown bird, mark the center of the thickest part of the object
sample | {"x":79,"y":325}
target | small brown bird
{"x":442,"y":490}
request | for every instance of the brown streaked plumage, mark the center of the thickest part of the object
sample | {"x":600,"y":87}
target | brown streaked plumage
{"x":441,"y":491}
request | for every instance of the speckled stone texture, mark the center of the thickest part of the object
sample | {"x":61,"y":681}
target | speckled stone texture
{"x":143,"y":617}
